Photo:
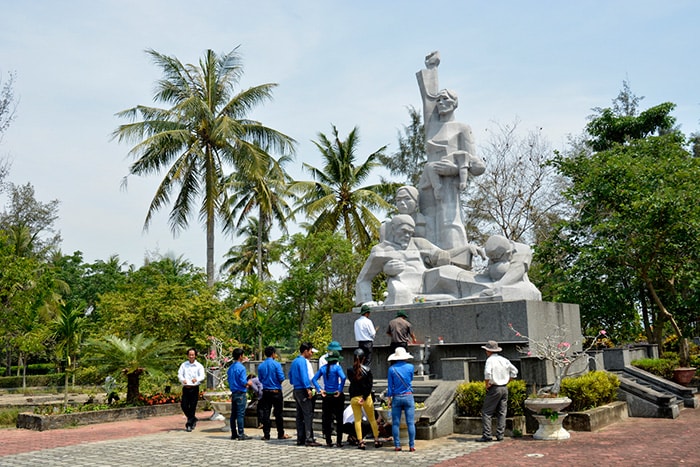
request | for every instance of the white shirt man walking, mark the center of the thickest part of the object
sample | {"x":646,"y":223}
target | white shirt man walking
{"x":365,"y":331}
{"x":497,"y":373}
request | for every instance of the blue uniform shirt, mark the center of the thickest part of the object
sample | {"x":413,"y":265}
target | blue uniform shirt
{"x":237,"y":377}
{"x":270,"y":374}
{"x":335,"y":380}
{"x":299,"y":373}
{"x":399,"y":378}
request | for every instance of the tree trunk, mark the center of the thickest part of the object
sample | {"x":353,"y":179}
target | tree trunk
{"x":132,"y":386}
{"x":684,"y":351}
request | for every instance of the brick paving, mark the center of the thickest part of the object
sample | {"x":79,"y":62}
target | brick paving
{"x":163,"y":441}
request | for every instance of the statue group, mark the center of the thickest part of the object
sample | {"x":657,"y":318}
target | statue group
{"x":424,"y":250}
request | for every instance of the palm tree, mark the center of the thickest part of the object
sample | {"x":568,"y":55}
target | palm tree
{"x":131,"y":358}
{"x":254,"y":254}
{"x":194,"y":141}
{"x":67,"y":330}
{"x":264,"y":190}
{"x":334,"y":199}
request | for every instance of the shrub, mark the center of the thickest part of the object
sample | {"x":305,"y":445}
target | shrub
{"x":470,"y":398}
{"x":8,"y":417}
{"x":662,"y":367}
{"x":590,"y":390}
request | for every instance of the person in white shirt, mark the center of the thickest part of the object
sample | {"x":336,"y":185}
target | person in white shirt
{"x":191,"y":374}
{"x":497,"y":373}
{"x":365,"y":331}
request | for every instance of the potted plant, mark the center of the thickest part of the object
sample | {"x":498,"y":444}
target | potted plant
{"x":546,"y":404}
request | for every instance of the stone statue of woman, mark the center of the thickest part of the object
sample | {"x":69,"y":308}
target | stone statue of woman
{"x":451,"y":160}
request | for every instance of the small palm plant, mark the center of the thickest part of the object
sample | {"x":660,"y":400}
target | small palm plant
{"x":130,"y":357}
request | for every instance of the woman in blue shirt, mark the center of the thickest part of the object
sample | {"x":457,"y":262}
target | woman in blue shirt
{"x":400,"y":396}
{"x":333,"y":399}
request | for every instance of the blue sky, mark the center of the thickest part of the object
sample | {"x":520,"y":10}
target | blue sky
{"x":546,"y":63}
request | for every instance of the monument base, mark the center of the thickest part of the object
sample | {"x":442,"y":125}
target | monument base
{"x":463,"y":327}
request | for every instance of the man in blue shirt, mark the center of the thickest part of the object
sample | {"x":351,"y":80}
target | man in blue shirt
{"x":271,"y":376}
{"x":303,"y":396}
{"x":239,"y":383}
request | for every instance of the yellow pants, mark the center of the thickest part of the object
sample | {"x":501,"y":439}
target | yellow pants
{"x":368,"y":405}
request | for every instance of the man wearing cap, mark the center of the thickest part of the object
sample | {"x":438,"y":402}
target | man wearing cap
{"x":498,"y":371}
{"x":364,"y":333}
{"x":400,"y":331}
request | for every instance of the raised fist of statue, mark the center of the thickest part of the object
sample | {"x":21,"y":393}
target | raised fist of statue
{"x":432,"y":60}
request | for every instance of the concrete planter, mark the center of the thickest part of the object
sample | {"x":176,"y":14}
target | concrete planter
{"x":32,"y":421}
{"x":597,"y":418}
{"x":472,"y":425}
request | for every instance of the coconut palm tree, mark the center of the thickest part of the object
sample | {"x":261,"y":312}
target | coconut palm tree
{"x":335,"y":199}
{"x":254,"y":254}
{"x":205,"y":131}
{"x":130,"y":357}
{"x":263,"y":190}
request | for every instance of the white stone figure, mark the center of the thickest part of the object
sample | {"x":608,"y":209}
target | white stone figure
{"x":417,"y":270}
{"x":451,"y":160}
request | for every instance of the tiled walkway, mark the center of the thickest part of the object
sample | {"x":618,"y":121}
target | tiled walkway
{"x":163,"y":441}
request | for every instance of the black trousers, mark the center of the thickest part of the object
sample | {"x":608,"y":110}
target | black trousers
{"x":332,"y":411}
{"x":188,"y":403}
{"x":366,"y":347}
{"x":272,"y":403}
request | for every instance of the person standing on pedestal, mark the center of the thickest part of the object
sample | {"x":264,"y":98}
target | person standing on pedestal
{"x":400,"y":332}
{"x":497,"y":373}
{"x":191,"y":374}
{"x":365,"y":331}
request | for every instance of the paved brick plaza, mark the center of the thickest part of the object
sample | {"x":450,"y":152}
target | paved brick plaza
{"x":163,"y":441}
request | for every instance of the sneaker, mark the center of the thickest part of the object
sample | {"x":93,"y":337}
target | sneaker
{"x":244,"y":437}
{"x":484,"y":439}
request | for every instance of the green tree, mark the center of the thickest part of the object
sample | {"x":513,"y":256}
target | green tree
{"x":263,"y":190}
{"x":260,"y":321}
{"x":67,"y":331}
{"x":408,"y":161}
{"x":131,"y":358}
{"x":335,"y":200}
{"x":638,"y":222}
{"x":204,"y":132}
{"x":244,"y":258}
{"x":168,"y":299}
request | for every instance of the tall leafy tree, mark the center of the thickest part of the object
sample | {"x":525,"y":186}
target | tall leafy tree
{"x":638,"y":221}
{"x":255,"y":253}
{"x":336,"y":199}
{"x":205,"y":130}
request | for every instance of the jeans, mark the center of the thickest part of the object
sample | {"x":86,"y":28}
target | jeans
{"x":239,"y":401}
{"x":407,"y":404}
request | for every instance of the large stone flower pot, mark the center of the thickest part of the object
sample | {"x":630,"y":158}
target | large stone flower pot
{"x":223,"y":409}
{"x":683,"y":375}
{"x":551,"y":421}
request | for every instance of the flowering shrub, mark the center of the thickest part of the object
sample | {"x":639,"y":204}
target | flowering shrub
{"x":556,"y":349}
{"x":218,"y":359}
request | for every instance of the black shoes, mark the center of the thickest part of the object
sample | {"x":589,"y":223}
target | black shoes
{"x":484,"y":439}
{"x":188,"y":428}
{"x":499,"y":438}
{"x":312,"y":443}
